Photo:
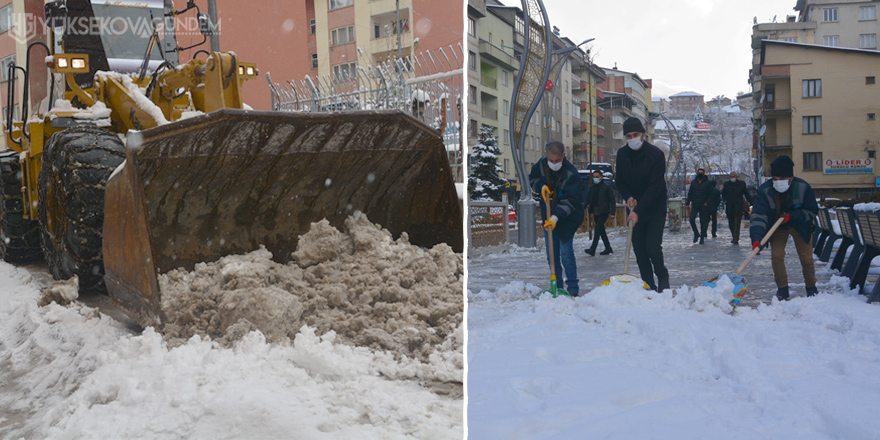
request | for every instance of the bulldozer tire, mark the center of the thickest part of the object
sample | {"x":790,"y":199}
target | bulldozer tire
{"x":76,"y":166}
{"x":19,"y":237}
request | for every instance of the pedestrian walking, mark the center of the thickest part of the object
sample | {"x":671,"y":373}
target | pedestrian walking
{"x":698,"y":198}
{"x":641,"y":180}
{"x":714,"y":203}
{"x":790,"y":198}
{"x":554,"y":177}
{"x":601,"y":204}
{"x":736,"y":200}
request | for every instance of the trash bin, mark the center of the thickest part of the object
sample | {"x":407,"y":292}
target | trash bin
{"x":676,"y":214}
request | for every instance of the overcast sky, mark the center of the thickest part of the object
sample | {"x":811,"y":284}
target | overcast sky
{"x":683,"y":45}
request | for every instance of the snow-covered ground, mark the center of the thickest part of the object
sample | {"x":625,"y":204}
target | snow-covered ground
{"x":618,"y":363}
{"x":72,"y":372}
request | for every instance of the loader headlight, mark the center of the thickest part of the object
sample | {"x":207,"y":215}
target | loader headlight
{"x":250,"y":71}
{"x":241,"y":70}
{"x":71,"y":63}
{"x":62,"y":63}
{"x":78,"y":63}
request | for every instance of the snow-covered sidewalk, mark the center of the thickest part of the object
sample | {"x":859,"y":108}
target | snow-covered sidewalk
{"x":616,"y":364}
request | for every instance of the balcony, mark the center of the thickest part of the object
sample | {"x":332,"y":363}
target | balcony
{"x":600,"y":94}
{"x":583,"y":105}
{"x":489,"y":81}
{"x":489,"y":113}
{"x":600,"y":132}
{"x":777,"y":106}
{"x":498,"y":55}
{"x":777,"y":143}
{"x":600,"y":112}
{"x":575,"y":121}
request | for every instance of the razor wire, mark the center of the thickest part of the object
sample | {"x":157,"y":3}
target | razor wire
{"x":428,"y":86}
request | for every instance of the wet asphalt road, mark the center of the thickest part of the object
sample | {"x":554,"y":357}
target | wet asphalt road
{"x":688,"y":263}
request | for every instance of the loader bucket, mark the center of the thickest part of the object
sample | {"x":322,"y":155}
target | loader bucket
{"x":232,"y":180}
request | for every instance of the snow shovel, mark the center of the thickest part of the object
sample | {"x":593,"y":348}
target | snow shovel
{"x":740,"y":286}
{"x":625,"y":277}
{"x":553,"y":290}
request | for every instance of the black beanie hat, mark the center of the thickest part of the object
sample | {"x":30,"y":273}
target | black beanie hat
{"x":633,"y":124}
{"x":782,"y":167}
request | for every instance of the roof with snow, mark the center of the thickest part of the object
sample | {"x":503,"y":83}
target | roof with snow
{"x":686,"y":94}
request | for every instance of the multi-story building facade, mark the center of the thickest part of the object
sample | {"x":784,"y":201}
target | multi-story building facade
{"x":624,"y":95}
{"x":686,"y":103}
{"x":568,"y":113}
{"x":840,"y":23}
{"x":833,"y":135}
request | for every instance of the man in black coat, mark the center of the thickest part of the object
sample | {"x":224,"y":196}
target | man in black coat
{"x":554,"y":177}
{"x":601,"y":205}
{"x":698,"y":198}
{"x":714,"y":203}
{"x":734,"y":193}
{"x":641,"y":180}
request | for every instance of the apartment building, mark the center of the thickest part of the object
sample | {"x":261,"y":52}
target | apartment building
{"x":820,"y":108}
{"x":624,"y":95}
{"x":686,"y":103}
{"x":840,"y":23}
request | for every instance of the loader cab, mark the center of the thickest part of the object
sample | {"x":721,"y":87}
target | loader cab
{"x":114,"y":34}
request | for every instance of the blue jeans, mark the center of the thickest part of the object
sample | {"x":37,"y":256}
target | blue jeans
{"x":566,"y":251}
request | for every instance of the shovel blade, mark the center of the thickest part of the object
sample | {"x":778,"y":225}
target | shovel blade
{"x":625,"y":278}
{"x":740,"y":287}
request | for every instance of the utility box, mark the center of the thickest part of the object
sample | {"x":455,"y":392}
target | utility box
{"x":676,"y":214}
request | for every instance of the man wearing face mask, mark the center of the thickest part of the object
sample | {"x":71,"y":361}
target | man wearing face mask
{"x":733,"y":193}
{"x":555,"y":177}
{"x":601,"y":205}
{"x":641,"y":180}
{"x":698,"y":198}
{"x":790,"y":198}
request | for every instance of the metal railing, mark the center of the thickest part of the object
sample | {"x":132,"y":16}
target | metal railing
{"x":429,"y":86}
{"x":487,"y":225}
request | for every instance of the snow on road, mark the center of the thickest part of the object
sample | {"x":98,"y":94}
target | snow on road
{"x":75,"y":373}
{"x":615,"y":364}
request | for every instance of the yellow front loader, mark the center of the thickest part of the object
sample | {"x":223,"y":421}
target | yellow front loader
{"x":122,"y":176}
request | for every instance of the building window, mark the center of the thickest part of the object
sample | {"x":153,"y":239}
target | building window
{"x":472,"y":27}
{"x":831,"y":40}
{"x":503,"y":77}
{"x":472,"y":94}
{"x":566,"y":85}
{"x":867,"y":13}
{"x":812,"y":88}
{"x":345,"y":71}
{"x":6,"y":18}
{"x":872,"y":116}
{"x":343,"y":35}
{"x":336,"y":4}
{"x":4,"y":67}
{"x":506,"y":104}
{"x":868,"y":41}
{"x":812,"y":125}
{"x":314,"y":61}
{"x":829,"y":14}
{"x":312,"y":28}
{"x":519,"y":25}
{"x":506,"y":166}
{"x":790,"y":39}
{"x":490,"y":38}
{"x":15,"y":113}
{"x":472,"y":60}
{"x":812,"y":161}
{"x":473,"y":128}
{"x":869,"y":80}
{"x":506,"y":137}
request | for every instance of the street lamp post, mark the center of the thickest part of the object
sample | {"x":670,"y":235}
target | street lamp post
{"x":561,"y":59}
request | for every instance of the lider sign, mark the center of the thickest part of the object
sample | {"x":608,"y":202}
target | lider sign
{"x":841,"y":166}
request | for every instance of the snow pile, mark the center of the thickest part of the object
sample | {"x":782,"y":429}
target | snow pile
{"x":140,"y":98}
{"x":620,"y":362}
{"x":867,"y":207}
{"x":97,"y":113}
{"x":369,"y":289}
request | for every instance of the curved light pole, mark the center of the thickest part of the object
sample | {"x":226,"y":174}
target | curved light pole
{"x":534,"y":70}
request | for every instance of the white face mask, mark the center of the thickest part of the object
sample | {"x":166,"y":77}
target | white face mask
{"x":596,"y":180}
{"x":555,"y":166}
{"x":781,"y":186}
{"x":733,"y":179}
{"x":635,"y":143}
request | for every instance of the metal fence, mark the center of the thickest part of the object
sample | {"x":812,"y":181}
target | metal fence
{"x":428,"y":86}
{"x":487,"y":226}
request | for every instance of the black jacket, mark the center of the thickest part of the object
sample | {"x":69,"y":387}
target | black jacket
{"x":601,"y":199}
{"x":642,"y":175}
{"x":732,"y":193}
{"x":567,"y":201}
{"x":700,"y":191}
{"x":714,"y":197}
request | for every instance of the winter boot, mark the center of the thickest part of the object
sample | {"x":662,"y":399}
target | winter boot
{"x":702,"y":240}
{"x":782,"y":293}
{"x":663,"y":284}
{"x":606,"y":252}
{"x":591,"y":252}
{"x":812,"y":291}
{"x":696,"y":237}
